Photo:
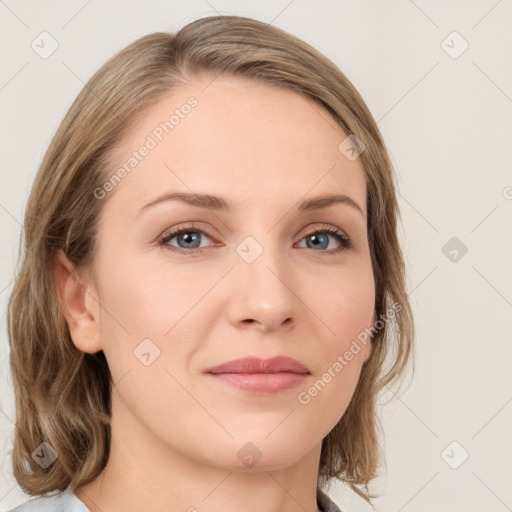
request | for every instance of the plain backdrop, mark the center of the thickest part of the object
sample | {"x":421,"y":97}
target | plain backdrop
{"x":437,"y":77}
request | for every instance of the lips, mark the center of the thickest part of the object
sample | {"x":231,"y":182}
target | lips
{"x":261,"y":376}
{"x":252,"y":365}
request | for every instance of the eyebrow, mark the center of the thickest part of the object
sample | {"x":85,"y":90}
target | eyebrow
{"x":218,"y":203}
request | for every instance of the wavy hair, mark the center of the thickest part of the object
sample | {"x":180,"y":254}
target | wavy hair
{"x":63,"y":395}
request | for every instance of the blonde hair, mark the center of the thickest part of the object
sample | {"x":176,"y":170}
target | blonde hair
{"x":62,"y":394}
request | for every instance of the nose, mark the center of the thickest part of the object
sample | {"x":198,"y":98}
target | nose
{"x":264,"y":292}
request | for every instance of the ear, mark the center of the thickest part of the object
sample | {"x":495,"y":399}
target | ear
{"x":79,"y":304}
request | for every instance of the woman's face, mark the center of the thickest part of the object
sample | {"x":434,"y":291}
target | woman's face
{"x":261,"y":278}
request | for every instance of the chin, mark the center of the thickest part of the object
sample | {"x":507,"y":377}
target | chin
{"x":258,"y":454}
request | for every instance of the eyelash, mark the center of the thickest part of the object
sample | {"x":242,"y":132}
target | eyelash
{"x":343,"y":239}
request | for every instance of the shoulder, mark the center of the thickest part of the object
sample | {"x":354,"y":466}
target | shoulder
{"x":62,"y":502}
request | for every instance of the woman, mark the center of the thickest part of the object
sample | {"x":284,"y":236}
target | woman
{"x":212,"y":293}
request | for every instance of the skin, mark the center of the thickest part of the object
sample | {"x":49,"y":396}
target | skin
{"x":175,"y":431}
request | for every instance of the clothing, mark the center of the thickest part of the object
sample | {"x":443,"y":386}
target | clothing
{"x":68,"y":502}
{"x":325,"y":502}
{"x":63,"y":502}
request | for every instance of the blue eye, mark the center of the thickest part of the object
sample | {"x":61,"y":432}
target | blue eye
{"x":190,"y":237}
{"x":190,"y":240}
{"x":321,"y":237}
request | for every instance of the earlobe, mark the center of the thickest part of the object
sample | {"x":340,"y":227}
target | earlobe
{"x":77,"y":304}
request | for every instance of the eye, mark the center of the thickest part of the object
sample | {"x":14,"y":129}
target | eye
{"x":319,"y":238}
{"x":187,"y":238}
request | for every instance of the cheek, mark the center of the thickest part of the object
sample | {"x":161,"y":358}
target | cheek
{"x":156,"y":304}
{"x":344,"y":301}
{"x":346,"y":307}
{"x":149,"y":301}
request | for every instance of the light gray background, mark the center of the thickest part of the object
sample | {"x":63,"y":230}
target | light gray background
{"x":447,"y":124}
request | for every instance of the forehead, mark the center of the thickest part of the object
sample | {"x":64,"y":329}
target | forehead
{"x":236,"y":137}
